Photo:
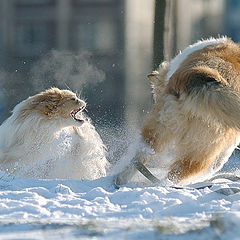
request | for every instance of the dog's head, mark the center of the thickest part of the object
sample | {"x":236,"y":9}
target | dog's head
{"x":62,"y":105}
{"x":205,"y":63}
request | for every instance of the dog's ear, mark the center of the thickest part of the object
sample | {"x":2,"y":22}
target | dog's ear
{"x":52,"y":95}
{"x":193,"y":79}
{"x":153,"y":77}
{"x":47,"y":107}
{"x":189,"y":79}
{"x":157,"y":80}
{"x":199,"y":80}
{"x":47,"y":102}
{"x":157,"y":84}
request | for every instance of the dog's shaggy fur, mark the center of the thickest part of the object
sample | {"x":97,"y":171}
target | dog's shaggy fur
{"x":196,"y":114}
{"x":48,"y":136}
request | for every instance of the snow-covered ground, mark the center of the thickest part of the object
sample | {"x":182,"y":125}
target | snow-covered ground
{"x":65,"y":209}
{"x":74,"y":209}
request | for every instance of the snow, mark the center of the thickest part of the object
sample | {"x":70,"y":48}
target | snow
{"x":95,"y":209}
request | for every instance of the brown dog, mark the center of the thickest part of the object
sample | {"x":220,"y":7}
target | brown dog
{"x":196,"y":114}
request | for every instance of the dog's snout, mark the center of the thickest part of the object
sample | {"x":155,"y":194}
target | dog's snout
{"x":82,"y":104}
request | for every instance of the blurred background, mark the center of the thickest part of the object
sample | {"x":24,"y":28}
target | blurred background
{"x":102,"y":49}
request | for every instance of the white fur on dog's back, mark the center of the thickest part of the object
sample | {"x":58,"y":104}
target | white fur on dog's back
{"x":34,"y":127}
{"x":176,"y":62}
{"x":32,"y":132}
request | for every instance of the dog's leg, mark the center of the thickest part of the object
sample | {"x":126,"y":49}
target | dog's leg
{"x":138,"y":165}
{"x":125,"y":176}
{"x":146,"y":173}
{"x":156,"y":135}
{"x":188,"y":166}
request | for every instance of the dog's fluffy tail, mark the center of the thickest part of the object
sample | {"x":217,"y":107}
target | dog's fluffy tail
{"x":214,"y":101}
